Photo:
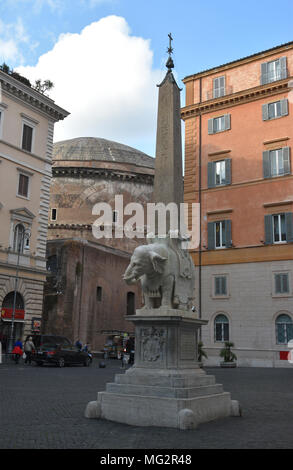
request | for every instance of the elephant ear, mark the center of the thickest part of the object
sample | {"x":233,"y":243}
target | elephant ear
{"x":157,"y":262}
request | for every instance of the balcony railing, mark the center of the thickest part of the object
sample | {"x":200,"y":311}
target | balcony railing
{"x":219,"y":92}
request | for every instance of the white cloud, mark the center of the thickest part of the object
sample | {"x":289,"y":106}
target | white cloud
{"x":12,"y":38}
{"x":104,"y":78}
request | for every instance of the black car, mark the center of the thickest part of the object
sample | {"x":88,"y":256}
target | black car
{"x":60,"y":354}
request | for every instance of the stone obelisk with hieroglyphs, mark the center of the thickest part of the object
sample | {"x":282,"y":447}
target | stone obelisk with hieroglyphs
{"x":168,"y":184}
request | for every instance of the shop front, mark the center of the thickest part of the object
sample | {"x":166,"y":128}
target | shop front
{"x":7,"y":318}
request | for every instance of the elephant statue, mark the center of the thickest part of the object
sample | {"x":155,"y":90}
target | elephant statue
{"x":166,"y":273}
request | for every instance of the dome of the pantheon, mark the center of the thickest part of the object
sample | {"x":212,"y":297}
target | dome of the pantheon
{"x":94,"y":149}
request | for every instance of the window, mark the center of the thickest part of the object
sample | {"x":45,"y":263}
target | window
{"x":99,"y":293}
{"x":273,"y":70}
{"x":282,"y":283}
{"x":284,"y":329}
{"x":130,"y":303}
{"x":279,"y":228}
{"x":219,"y":124}
{"x":23,"y":185}
{"x":219,"y":234}
{"x":18,"y":239}
{"x":220,"y":287}
{"x":53,"y":214}
{"x":221,"y":328}
{"x":27,"y":137}
{"x":218,"y":87}
{"x":219,"y":173}
{"x":276,"y":162}
{"x":275,"y":109}
{"x":1,"y":123}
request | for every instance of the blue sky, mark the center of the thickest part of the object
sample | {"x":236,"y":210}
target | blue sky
{"x":206,"y":34}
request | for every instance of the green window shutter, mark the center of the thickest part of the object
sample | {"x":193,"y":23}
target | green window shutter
{"x":285,"y":283}
{"x":266,"y":164}
{"x":286,"y":160}
{"x":228,"y":170}
{"x":268,"y":229}
{"x":284,"y":107}
{"x":278,"y":283}
{"x":211,"y":236}
{"x":224,"y":286}
{"x":211,"y":174}
{"x":283,"y":66}
{"x":289,"y":226}
{"x":210,"y":126}
{"x":227,"y":121}
{"x":228,"y":233}
{"x":265,"y":112}
{"x":264,"y":73}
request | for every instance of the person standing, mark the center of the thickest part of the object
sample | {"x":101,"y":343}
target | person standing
{"x":17,"y":350}
{"x":78,"y":345}
{"x":29,"y":347}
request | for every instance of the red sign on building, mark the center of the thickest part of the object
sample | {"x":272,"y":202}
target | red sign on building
{"x":6,"y":313}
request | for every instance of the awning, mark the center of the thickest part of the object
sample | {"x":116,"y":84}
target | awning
{"x":6,"y":314}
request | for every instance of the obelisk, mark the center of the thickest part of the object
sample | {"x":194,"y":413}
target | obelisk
{"x":168,"y":183}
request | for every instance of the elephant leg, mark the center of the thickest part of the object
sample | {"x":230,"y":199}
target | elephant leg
{"x":148,"y":302}
{"x":167,"y":292}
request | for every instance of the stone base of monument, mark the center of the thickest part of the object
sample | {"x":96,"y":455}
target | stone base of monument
{"x":166,"y":386}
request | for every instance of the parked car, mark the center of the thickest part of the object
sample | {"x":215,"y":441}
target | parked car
{"x":39,"y":340}
{"x":61,"y":354}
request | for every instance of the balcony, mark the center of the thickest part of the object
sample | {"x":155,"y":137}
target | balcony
{"x":219,"y":92}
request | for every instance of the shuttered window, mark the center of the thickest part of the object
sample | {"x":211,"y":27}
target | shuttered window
{"x":219,"y":234}
{"x":276,"y":162}
{"x":274,"y":110}
{"x":219,"y":173}
{"x":279,"y":228}
{"x":273,"y":70}
{"x":282,"y":283}
{"x":23,"y":184}
{"x":27,"y":138}
{"x":219,"y":124}
{"x":220,"y":287}
{"x":218,"y":87}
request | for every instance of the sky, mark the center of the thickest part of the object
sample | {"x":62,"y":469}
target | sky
{"x":105,"y":57}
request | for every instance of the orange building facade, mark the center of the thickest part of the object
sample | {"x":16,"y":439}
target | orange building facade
{"x":238,"y":166}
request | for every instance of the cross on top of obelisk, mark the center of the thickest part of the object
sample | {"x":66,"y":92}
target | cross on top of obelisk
{"x":170,"y":63}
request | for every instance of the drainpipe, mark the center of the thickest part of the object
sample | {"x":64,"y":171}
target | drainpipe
{"x":200,"y":211}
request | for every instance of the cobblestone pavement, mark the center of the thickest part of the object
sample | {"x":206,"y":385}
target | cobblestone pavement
{"x":43,"y":408}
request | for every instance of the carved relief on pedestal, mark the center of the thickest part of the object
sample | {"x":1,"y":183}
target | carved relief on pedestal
{"x":153,"y":344}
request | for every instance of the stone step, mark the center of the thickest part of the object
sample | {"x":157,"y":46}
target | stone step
{"x":166,"y":381}
{"x":168,"y":392}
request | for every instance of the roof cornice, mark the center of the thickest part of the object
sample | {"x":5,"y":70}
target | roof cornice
{"x":32,"y":97}
{"x":101,"y":173}
{"x":236,"y":63}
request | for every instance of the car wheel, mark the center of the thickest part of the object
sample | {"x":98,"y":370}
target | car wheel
{"x":61,"y":362}
{"x":87,"y":362}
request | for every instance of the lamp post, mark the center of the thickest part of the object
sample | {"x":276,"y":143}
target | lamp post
{"x":25,"y":234}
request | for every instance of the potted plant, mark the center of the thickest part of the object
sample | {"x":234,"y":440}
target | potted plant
{"x":201,"y":353}
{"x":228,"y":356}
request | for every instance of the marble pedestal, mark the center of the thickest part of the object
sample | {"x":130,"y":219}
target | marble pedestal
{"x":166,"y":386}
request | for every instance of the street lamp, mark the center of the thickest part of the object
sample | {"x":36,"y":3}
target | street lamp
{"x":22,"y":236}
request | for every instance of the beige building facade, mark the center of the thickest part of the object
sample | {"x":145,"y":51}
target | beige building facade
{"x":27,"y":120}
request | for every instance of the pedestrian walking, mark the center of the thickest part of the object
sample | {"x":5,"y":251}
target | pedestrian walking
{"x":17,"y":351}
{"x":78,"y":345}
{"x":29,"y":348}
